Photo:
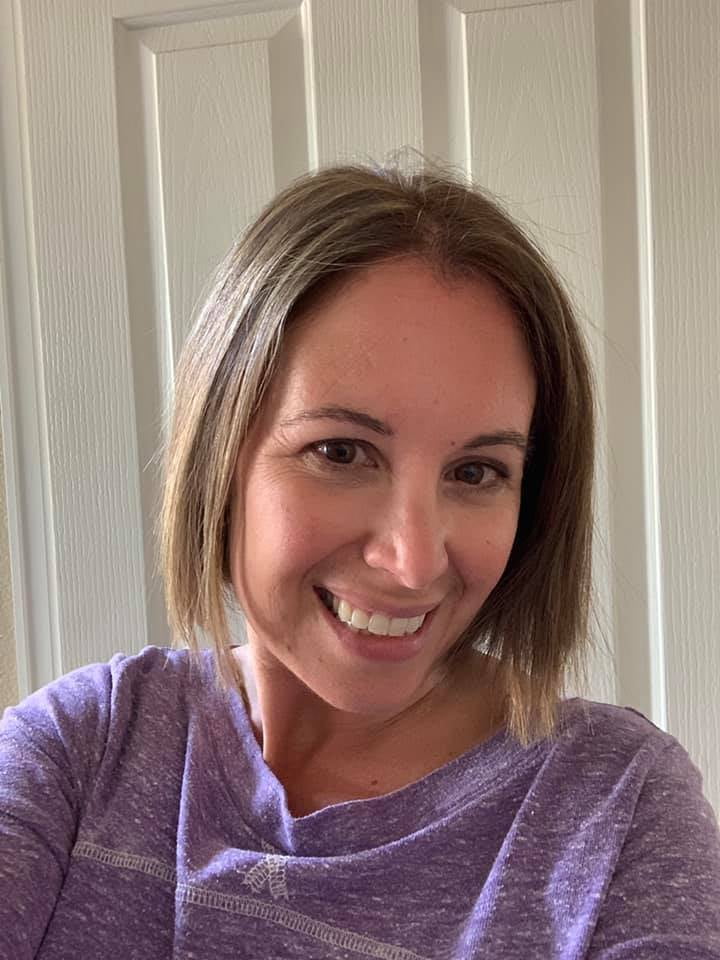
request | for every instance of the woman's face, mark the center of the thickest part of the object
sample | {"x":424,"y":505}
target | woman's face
{"x":385,"y":472}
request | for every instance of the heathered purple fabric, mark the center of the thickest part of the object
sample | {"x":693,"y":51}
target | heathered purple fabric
{"x":139,"y":820}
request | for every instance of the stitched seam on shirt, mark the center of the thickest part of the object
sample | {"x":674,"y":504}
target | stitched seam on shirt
{"x":299,"y":922}
{"x":128,"y":861}
{"x":247,"y":906}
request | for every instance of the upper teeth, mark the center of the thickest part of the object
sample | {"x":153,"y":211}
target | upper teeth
{"x":377,"y":623}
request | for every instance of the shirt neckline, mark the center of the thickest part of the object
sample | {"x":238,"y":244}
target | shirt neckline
{"x":349,"y":827}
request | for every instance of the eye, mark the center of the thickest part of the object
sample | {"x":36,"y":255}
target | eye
{"x":338,"y":451}
{"x":478,"y":474}
{"x":341,"y":453}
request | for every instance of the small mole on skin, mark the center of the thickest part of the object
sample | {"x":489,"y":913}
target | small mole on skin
{"x":373,"y":783}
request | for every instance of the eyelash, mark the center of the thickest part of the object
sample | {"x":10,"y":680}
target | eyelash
{"x":314,"y":450}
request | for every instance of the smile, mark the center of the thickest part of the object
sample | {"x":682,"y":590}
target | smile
{"x":376,"y":623}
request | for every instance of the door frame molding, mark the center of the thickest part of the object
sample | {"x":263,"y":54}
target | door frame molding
{"x":24,"y":426}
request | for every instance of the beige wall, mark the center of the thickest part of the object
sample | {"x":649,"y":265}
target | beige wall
{"x":8,"y":670}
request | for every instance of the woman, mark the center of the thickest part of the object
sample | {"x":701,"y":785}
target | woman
{"x":382,"y":453}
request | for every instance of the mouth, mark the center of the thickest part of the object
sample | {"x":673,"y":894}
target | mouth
{"x":376,"y":623}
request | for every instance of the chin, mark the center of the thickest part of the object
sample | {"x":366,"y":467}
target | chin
{"x":373,"y":696}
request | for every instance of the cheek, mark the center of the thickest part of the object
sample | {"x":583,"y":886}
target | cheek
{"x":289,"y":527}
{"x":486,"y":548}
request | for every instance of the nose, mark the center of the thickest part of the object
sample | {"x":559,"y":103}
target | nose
{"x":409,"y":540}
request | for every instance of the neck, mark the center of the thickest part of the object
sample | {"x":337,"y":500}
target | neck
{"x":321,"y":754}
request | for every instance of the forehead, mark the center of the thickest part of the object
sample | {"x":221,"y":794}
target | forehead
{"x":399,"y":341}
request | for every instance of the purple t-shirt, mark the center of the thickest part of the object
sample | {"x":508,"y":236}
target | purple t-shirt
{"x":138,"y":819}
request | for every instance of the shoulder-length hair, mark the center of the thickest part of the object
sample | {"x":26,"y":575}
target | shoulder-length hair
{"x":320,"y":230}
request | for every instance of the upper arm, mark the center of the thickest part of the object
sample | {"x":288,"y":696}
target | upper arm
{"x":48,"y":749}
{"x":663,"y":902}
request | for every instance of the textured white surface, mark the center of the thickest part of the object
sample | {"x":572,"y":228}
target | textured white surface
{"x":147,"y":13}
{"x":637,"y":623}
{"x":215,"y":156}
{"x":219,"y":31}
{"x":683,"y":98}
{"x":531,"y":74}
{"x":211,"y":119}
{"x":221,"y":93}
{"x":79,"y":305}
{"x":474,"y":6}
{"x":13,"y":603}
{"x":444,"y":89}
{"x":366,"y":76}
{"x":8,"y":667}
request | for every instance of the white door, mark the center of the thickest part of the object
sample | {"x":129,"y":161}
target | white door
{"x":139,"y":136}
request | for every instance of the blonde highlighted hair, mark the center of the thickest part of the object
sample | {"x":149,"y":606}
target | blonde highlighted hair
{"x":312,"y":236}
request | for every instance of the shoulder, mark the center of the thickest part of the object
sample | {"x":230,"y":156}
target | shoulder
{"x":626,"y":785}
{"x":618,"y":754}
{"x":603,"y":730}
{"x":602,"y":754}
{"x":91,"y":689}
{"x":641,"y":798}
{"x":160,"y":674}
{"x":72,"y":718}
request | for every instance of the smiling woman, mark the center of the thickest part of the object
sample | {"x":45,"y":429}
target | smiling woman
{"x":382,"y":454}
{"x":399,"y":295}
{"x":405,"y":517}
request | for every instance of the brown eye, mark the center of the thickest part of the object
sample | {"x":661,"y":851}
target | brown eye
{"x":338,"y":451}
{"x":473,"y":474}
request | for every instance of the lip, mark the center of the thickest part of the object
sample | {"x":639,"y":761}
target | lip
{"x":374,"y":606}
{"x":372,"y":647}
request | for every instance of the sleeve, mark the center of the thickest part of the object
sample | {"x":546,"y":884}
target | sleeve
{"x":50,"y":747}
{"x":663,"y":902}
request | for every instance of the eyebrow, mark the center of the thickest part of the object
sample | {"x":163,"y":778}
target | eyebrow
{"x":510,"y":438}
